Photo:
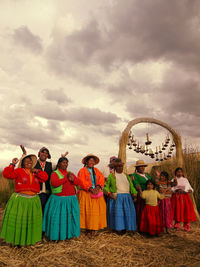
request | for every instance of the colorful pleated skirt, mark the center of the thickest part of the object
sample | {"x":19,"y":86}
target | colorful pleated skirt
{"x":151,"y":220}
{"x":166,"y":212}
{"x":121,"y":213}
{"x":22,"y":220}
{"x":92,"y":211}
{"x":182,"y":208}
{"x":61,"y":217}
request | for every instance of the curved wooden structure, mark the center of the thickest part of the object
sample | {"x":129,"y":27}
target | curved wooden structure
{"x":176,"y":138}
{"x":124,"y":139}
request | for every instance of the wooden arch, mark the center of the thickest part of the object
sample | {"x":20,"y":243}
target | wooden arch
{"x":125,"y":137}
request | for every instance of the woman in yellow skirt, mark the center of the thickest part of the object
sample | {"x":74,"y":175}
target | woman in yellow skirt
{"x":91,"y":200}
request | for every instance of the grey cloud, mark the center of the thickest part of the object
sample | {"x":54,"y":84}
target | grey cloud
{"x":92,"y":116}
{"x":88,"y":116}
{"x":57,"y":95}
{"x":137,"y":31}
{"x":19,"y":125}
{"x":27,"y":39}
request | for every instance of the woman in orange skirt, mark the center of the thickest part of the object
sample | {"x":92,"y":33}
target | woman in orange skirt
{"x":91,"y":200}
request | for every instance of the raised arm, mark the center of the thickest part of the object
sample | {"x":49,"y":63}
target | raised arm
{"x":10,"y":172}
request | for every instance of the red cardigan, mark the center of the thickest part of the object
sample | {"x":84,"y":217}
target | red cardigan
{"x":68,"y":188}
{"x":22,"y":179}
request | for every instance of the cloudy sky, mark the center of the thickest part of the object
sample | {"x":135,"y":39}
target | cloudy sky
{"x":73,"y":73}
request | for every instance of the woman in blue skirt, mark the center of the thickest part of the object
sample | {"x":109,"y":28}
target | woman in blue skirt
{"x":121,"y":214}
{"x":62,"y":215}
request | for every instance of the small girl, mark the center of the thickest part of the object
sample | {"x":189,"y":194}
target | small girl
{"x":62,"y":216}
{"x":164,"y":186}
{"x":182,"y":207}
{"x":151,"y":219}
{"x":119,"y":188}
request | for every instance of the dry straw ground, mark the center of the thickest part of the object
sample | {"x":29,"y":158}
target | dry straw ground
{"x":109,"y":249}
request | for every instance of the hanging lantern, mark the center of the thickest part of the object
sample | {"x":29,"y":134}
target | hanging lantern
{"x":160,"y":151}
{"x":173,"y":145}
{"x":132,"y":139}
{"x":138,"y":148}
{"x":148,"y":142}
{"x":135,"y":143}
{"x":163,"y":147}
{"x":142,"y":149}
{"x":165,"y":158}
{"x":168,"y":138}
{"x":166,"y":144}
{"x":156,"y":151}
{"x":146,"y":151}
{"x":151,"y":152}
{"x":161,"y":159}
{"x":130,"y":134}
{"x":157,"y":159}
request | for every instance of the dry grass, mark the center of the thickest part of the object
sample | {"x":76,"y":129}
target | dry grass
{"x":6,"y":189}
{"x":109,"y":249}
{"x":4,"y":184}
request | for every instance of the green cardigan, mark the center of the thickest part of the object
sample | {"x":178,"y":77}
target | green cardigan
{"x":110,"y":185}
{"x":140,"y":180}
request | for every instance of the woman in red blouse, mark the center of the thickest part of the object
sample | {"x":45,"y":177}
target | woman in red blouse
{"x":62,"y":216}
{"x":22,"y":221}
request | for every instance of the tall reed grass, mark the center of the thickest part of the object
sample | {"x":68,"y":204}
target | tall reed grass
{"x":6,"y":189}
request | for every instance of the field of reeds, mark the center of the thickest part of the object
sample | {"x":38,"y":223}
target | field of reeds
{"x":6,"y":189}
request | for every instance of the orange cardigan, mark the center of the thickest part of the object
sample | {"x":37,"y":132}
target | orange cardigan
{"x":85,"y":178}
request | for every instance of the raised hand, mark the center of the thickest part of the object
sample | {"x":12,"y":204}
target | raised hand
{"x":15,"y":161}
{"x":23,"y":149}
{"x":64,"y":155}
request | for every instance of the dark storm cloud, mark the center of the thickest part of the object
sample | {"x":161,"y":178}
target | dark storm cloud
{"x":138,"y":31}
{"x":57,"y":95}
{"x":175,"y":102}
{"x":27,"y":39}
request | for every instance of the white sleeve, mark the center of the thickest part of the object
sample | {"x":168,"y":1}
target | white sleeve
{"x":188,"y":186}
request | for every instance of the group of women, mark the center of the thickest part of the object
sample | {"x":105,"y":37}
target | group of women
{"x":90,"y":201}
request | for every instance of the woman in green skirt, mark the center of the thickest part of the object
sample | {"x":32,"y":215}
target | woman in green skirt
{"x":22,"y":221}
{"x":62,"y":215}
